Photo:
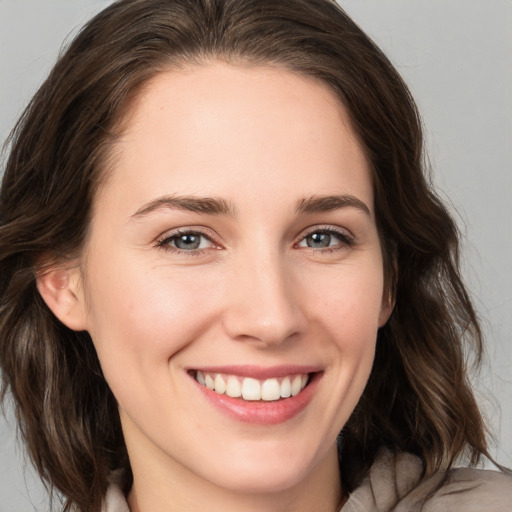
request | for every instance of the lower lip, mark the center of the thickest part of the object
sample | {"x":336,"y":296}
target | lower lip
{"x":262,"y":412}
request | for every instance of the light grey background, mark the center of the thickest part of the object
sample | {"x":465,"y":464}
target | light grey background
{"x":456,"y":56}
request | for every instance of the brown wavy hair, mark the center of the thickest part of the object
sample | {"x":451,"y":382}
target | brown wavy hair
{"x":418,"y":398}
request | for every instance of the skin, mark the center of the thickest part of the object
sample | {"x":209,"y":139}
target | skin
{"x":261,"y":139}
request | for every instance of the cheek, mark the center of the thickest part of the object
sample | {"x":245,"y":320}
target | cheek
{"x":349,"y":312}
{"x":350,"y":301}
{"x":140,"y":322}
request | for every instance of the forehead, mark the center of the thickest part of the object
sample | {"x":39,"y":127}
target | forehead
{"x":219,"y":124}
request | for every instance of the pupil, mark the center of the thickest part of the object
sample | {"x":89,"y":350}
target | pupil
{"x":188,"y":242}
{"x":319,"y":240}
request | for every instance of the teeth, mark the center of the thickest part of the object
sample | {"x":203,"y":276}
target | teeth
{"x":271,"y":390}
{"x":233,"y":387}
{"x":220,"y":385}
{"x":296,"y":385}
{"x":209,"y":382}
{"x":286,"y":387}
{"x":252,"y":389}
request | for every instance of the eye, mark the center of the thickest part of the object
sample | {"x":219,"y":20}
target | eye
{"x":326,"y":239}
{"x":186,"y":241}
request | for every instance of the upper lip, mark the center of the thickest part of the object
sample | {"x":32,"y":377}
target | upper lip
{"x":259,"y":372}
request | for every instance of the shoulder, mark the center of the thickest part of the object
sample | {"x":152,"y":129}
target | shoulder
{"x":395,"y":484}
{"x":466,"y":489}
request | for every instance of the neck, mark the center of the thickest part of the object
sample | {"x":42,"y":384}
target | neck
{"x":172,"y":489}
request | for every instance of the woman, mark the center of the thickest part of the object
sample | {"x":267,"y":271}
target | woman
{"x":218,"y":250}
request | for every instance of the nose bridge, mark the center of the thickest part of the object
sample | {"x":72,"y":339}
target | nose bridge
{"x":263,"y":305}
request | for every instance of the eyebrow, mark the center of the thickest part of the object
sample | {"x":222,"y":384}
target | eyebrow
{"x":219,"y":206}
{"x":328,"y":203}
{"x":206,"y":205}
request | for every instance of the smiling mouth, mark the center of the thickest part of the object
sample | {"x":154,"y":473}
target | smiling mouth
{"x":250,"y":389}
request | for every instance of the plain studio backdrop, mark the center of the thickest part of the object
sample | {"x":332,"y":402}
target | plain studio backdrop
{"x":456,"y":57}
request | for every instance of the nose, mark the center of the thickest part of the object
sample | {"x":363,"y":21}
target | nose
{"x":263,"y":305}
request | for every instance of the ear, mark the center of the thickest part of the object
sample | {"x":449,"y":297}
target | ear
{"x":389,"y":295}
{"x":61,"y":289}
{"x":388,"y":303}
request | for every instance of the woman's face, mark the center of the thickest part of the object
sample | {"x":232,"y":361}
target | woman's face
{"x":234,"y":245}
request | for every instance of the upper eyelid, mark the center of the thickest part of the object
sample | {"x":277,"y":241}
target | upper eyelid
{"x":326,"y":227}
{"x":345,"y":237}
{"x":199,"y":230}
{"x":164,"y":243}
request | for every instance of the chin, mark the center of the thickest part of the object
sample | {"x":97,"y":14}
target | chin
{"x":264,"y":480}
{"x":264,"y":471}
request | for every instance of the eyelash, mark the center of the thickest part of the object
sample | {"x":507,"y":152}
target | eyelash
{"x":346,"y":241}
{"x":166,"y":240}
